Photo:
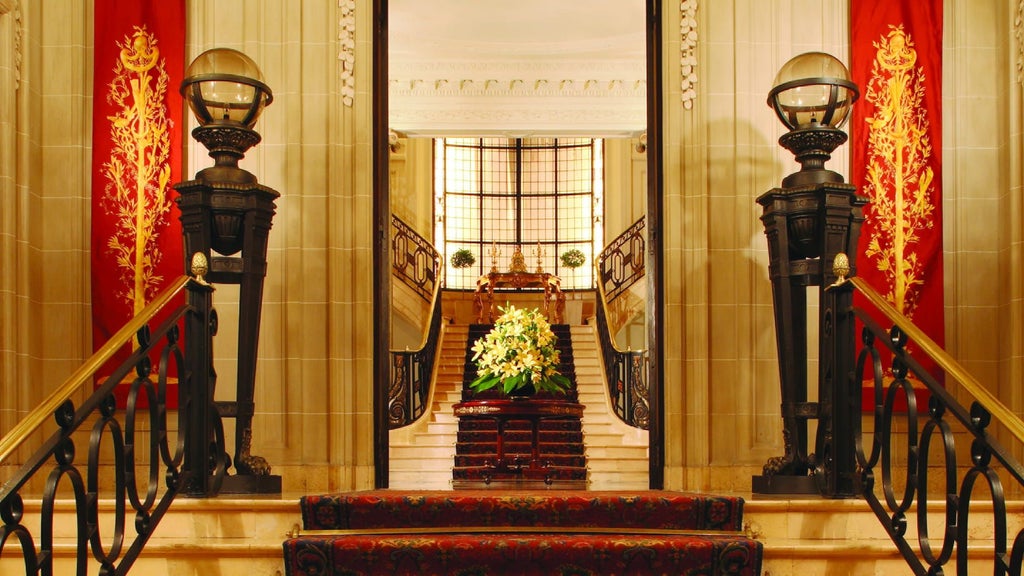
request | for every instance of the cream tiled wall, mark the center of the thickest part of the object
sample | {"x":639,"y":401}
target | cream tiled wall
{"x":314,"y":400}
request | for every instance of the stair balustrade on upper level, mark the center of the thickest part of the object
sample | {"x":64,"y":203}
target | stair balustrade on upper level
{"x":620,"y":266}
{"x":417,"y":265}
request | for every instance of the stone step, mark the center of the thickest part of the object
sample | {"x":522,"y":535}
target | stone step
{"x":234,"y":536}
{"x":224,"y":535}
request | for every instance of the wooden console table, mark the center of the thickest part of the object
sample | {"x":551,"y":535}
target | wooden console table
{"x":503,"y":411}
{"x":554,"y":298}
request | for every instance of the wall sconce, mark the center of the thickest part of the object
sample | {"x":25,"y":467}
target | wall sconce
{"x":813,"y":96}
{"x":225,"y":211}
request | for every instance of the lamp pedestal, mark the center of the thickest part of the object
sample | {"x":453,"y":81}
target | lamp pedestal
{"x":227,"y":218}
{"x":806,"y":227}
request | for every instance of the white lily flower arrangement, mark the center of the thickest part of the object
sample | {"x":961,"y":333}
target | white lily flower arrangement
{"x":518,"y":352}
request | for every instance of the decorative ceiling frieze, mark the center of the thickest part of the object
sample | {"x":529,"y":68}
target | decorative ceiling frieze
{"x":534,"y":67}
{"x":688,"y":52}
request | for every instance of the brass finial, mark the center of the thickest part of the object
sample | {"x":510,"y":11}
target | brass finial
{"x":841,"y":268}
{"x":200,"y":266}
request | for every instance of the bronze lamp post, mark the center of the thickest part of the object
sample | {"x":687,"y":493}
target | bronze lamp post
{"x":810,"y":219}
{"x":227,"y":215}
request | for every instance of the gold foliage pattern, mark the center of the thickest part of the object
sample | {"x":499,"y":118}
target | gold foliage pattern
{"x":899,"y":177}
{"x":138,"y":170}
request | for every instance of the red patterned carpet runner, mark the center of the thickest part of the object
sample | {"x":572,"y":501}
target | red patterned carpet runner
{"x":566,"y":532}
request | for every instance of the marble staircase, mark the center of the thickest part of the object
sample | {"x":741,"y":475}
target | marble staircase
{"x":422,"y":453}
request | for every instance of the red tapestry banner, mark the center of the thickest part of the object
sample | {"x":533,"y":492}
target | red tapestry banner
{"x":137,"y":243}
{"x":896,"y":135}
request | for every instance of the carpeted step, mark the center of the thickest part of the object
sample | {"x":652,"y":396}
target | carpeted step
{"x":467,"y":448}
{"x":548,"y":436}
{"x":522,"y":554}
{"x":546,"y":459}
{"x":539,"y":475}
{"x":567,"y":508}
{"x":553,"y":424}
{"x":482,"y":532}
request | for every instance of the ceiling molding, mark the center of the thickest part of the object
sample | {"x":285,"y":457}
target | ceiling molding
{"x":566,"y":68}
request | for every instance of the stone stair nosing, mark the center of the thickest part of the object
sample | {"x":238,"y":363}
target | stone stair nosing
{"x":420,"y":454}
{"x":616,"y":452}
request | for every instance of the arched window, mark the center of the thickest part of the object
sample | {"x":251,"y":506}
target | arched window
{"x":543,"y":196}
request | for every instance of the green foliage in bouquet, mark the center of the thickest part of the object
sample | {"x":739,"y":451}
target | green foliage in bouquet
{"x":518,"y":352}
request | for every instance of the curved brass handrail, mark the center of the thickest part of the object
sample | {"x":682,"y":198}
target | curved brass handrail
{"x":30,"y":423}
{"x":1007,"y":417}
{"x":427,"y":332}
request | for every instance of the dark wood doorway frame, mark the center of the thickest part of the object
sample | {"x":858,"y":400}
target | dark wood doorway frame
{"x":382,"y":251}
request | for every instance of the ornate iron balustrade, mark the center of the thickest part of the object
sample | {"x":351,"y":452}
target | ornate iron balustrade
{"x":411,"y":375}
{"x":621,"y":263}
{"x":626,"y":373}
{"x":193,"y":462}
{"x":413,"y":259}
{"x":417,"y":263}
{"x":901,"y":492}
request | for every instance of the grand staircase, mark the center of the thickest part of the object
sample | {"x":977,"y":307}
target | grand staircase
{"x":422,"y":454}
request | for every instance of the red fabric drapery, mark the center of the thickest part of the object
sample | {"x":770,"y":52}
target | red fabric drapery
{"x":896,"y":135}
{"x":137,"y":119}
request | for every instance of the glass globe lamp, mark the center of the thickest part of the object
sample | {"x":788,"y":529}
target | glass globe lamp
{"x":225,"y":86}
{"x":225,"y":91}
{"x":812,"y":96}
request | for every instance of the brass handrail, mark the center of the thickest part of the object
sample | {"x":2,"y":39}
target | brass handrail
{"x":1007,"y":417}
{"x":28,"y":425}
{"x":602,"y":301}
{"x":426,"y":333}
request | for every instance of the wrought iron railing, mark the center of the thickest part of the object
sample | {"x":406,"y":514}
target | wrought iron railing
{"x":928,"y":519}
{"x":417,"y":263}
{"x":414,"y":259}
{"x":411,"y":374}
{"x":626,"y":373}
{"x":149,"y":464}
{"x":621,"y":265}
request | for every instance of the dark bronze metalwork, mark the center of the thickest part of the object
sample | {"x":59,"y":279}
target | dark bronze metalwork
{"x":414,"y":259}
{"x":806,"y":227}
{"x":626,"y":373}
{"x":148,"y":474}
{"x":381,"y":259}
{"x":655,"y":247}
{"x":411,"y":374}
{"x":622,"y":263}
{"x":225,"y":211}
{"x":895,"y":467}
{"x":620,"y":266}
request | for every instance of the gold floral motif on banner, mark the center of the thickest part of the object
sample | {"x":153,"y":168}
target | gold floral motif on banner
{"x":138,"y":170}
{"x":899,"y":175}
